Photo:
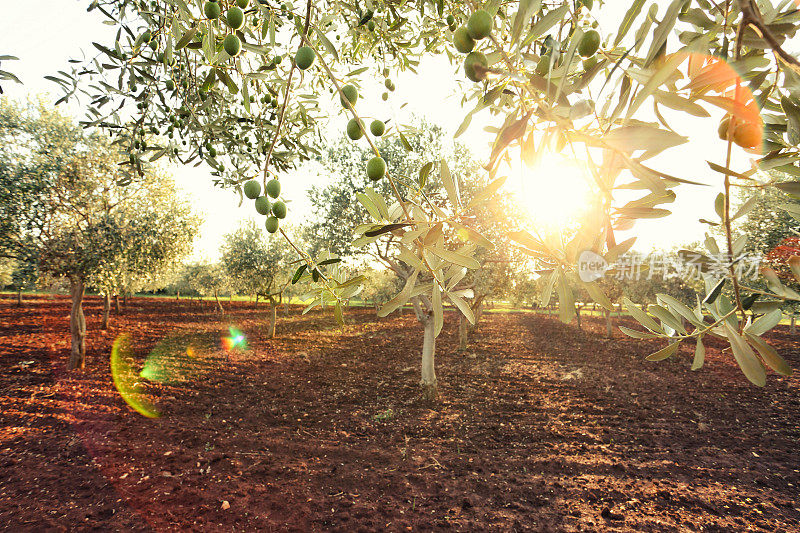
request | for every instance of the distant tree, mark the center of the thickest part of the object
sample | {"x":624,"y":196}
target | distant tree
{"x":20,"y":274}
{"x":614,"y":290}
{"x":765,"y":224}
{"x":525,"y":288}
{"x":256,"y":264}
{"x":646,"y":288}
{"x":65,"y":202}
{"x":771,"y":226}
{"x":6,"y":270}
{"x":494,"y":219}
{"x":206,"y":279}
{"x":380,"y":285}
{"x":156,"y":230}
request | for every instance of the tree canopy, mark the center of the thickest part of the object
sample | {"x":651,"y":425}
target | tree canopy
{"x":212,"y":81}
{"x":70,"y":211}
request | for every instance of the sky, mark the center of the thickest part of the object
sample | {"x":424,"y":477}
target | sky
{"x":433,"y":94}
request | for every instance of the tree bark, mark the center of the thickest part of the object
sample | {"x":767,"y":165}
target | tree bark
{"x":77,"y":324}
{"x":578,"y":316}
{"x":116,"y":303}
{"x":177,"y":296}
{"x":219,"y":304}
{"x":477,"y":311}
{"x":106,"y":309}
{"x":609,"y":324}
{"x":428,"y":382}
{"x":792,"y":328}
{"x":463,"y":324}
{"x":286,"y":308}
{"x":273,"y":318}
{"x":125,"y":299}
{"x":19,"y":298}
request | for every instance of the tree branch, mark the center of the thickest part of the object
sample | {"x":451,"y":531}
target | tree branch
{"x":752,"y":17}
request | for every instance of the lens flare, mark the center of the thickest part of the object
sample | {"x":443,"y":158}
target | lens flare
{"x":716,"y":82}
{"x":179,"y":358}
{"x":236,"y":341}
{"x":126,"y":381}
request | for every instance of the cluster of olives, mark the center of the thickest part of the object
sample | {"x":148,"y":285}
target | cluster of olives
{"x":587,"y":48}
{"x":235,"y":19}
{"x":272,"y":210}
{"x":388,"y":83}
{"x":479,"y":26}
{"x":744,"y":133}
{"x":376,"y":167}
{"x":355,"y":128}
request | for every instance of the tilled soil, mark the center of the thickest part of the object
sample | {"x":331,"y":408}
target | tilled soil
{"x":539,"y":427}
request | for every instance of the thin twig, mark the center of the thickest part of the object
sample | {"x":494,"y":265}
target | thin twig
{"x":281,"y":117}
{"x":752,"y":17}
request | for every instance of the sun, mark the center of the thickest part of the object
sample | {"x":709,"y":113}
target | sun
{"x":554,"y":193}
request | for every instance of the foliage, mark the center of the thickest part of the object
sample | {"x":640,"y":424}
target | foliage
{"x":7,"y":268}
{"x":552,"y":81}
{"x":255,"y":264}
{"x":65,"y":210}
{"x":345,"y":161}
{"x":156,"y":230}
{"x":68,"y":211}
{"x":203,"y":279}
{"x":766,"y":224}
{"x":4,"y":74}
{"x":36,"y":146}
{"x":380,"y":285}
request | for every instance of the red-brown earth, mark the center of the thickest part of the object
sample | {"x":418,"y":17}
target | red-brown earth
{"x":539,"y":427}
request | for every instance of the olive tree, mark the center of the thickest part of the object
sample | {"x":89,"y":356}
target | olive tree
{"x":215,"y":76}
{"x":156,"y":231}
{"x":22,"y":273}
{"x":379,"y":287}
{"x":381,"y":237}
{"x":257,"y":265}
{"x":67,"y":208}
{"x":205,"y":279}
{"x":494,"y":219}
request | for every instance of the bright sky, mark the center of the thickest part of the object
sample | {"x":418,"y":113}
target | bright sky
{"x":69,"y":30}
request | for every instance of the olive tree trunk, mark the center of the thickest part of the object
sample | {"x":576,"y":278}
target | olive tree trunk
{"x":477,"y":310}
{"x":792,"y":328}
{"x":464,"y":326}
{"x":106,"y":309}
{"x":116,"y":303}
{"x":19,"y":298}
{"x":77,"y":324}
{"x":463,"y":330}
{"x":273,"y":317}
{"x":609,"y":324}
{"x":219,"y":304}
{"x":428,"y":381}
